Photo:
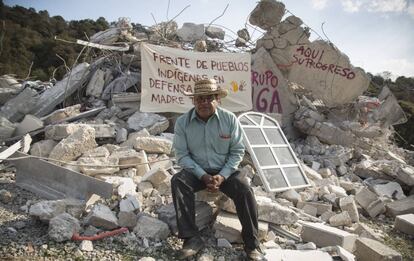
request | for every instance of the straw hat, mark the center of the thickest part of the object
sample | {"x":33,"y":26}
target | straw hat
{"x":206,"y":87}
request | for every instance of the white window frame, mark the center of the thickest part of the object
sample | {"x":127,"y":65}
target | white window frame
{"x":259,"y":168}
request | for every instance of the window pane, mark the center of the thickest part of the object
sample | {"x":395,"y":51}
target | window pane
{"x":246,"y":121}
{"x":264,"y":156}
{"x":284,"y":156}
{"x":274,"y":136}
{"x":256,"y":118}
{"x":268,"y":122}
{"x":255,"y":136}
{"x":294,"y":176}
{"x":275,"y":178}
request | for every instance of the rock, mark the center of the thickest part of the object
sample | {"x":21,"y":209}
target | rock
{"x":145,"y":187}
{"x":153,"y":145}
{"x":6,"y":128}
{"x":127,"y":219}
{"x":74,"y":145}
{"x":291,"y":195}
{"x":46,"y":210}
{"x":215,"y":32}
{"x":17,"y":107}
{"x":244,"y":34}
{"x":28,"y":124}
{"x":152,"y":228}
{"x":320,"y":207}
{"x":126,"y":186}
{"x":101,"y":216}
{"x":191,"y":32}
{"x":275,"y":213}
{"x":267,"y":13}
{"x":307,"y":246}
{"x":156,"y":176}
{"x":341,"y":219}
{"x":131,"y":158}
{"x":86,"y":245}
{"x":130,"y":203}
{"x":224,"y":243}
{"x":42,"y":148}
{"x":5,"y":196}
{"x":62,"y":227}
{"x":296,"y":255}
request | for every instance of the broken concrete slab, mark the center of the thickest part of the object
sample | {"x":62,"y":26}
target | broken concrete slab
{"x":401,"y":207}
{"x":61,"y":131}
{"x":228,"y":226}
{"x":54,"y":182}
{"x":145,"y":120}
{"x":96,"y":84}
{"x":50,"y":98}
{"x":323,"y":235}
{"x":371,"y":250}
{"x":156,"y":176}
{"x":98,"y":166}
{"x":391,"y":190}
{"x":405,"y":223}
{"x":320,"y":66}
{"x":16,"y":108}
{"x":61,"y":114}
{"x":296,"y":255}
{"x":270,"y":90}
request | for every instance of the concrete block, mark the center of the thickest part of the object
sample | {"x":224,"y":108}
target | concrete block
{"x":156,"y":176}
{"x":405,"y":224}
{"x":152,"y":228}
{"x":323,"y":235}
{"x":296,"y":255}
{"x":341,"y":219}
{"x":348,"y":204}
{"x":101,"y":216}
{"x":320,"y":207}
{"x":371,"y":250}
{"x":6,"y":128}
{"x":59,"y":115}
{"x":153,"y":145}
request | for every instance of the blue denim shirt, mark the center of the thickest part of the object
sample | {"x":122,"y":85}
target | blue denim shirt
{"x":215,"y":145}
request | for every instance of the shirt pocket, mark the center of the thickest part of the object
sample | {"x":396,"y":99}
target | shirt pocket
{"x":222,"y":144}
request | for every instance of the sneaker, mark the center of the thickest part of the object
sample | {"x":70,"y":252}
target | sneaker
{"x":254,"y":255}
{"x":191,"y":247}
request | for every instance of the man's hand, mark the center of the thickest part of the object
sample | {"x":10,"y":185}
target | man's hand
{"x":212,"y":182}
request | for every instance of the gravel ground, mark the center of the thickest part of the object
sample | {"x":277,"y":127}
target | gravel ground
{"x":24,"y":238}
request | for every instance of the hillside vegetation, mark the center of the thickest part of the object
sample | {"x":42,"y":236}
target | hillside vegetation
{"x":28,"y":48}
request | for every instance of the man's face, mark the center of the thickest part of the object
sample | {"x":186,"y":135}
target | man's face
{"x":205,"y":105}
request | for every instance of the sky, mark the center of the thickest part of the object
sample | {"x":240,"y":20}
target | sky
{"x":377,"y":35}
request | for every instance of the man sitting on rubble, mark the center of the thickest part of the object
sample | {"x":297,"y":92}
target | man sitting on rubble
{"x":208,"y":144}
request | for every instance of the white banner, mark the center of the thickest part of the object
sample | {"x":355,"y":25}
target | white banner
{"x":167,"y":72}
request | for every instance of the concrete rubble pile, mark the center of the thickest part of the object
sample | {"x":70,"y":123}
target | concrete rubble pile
{"x":356,"y":173}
